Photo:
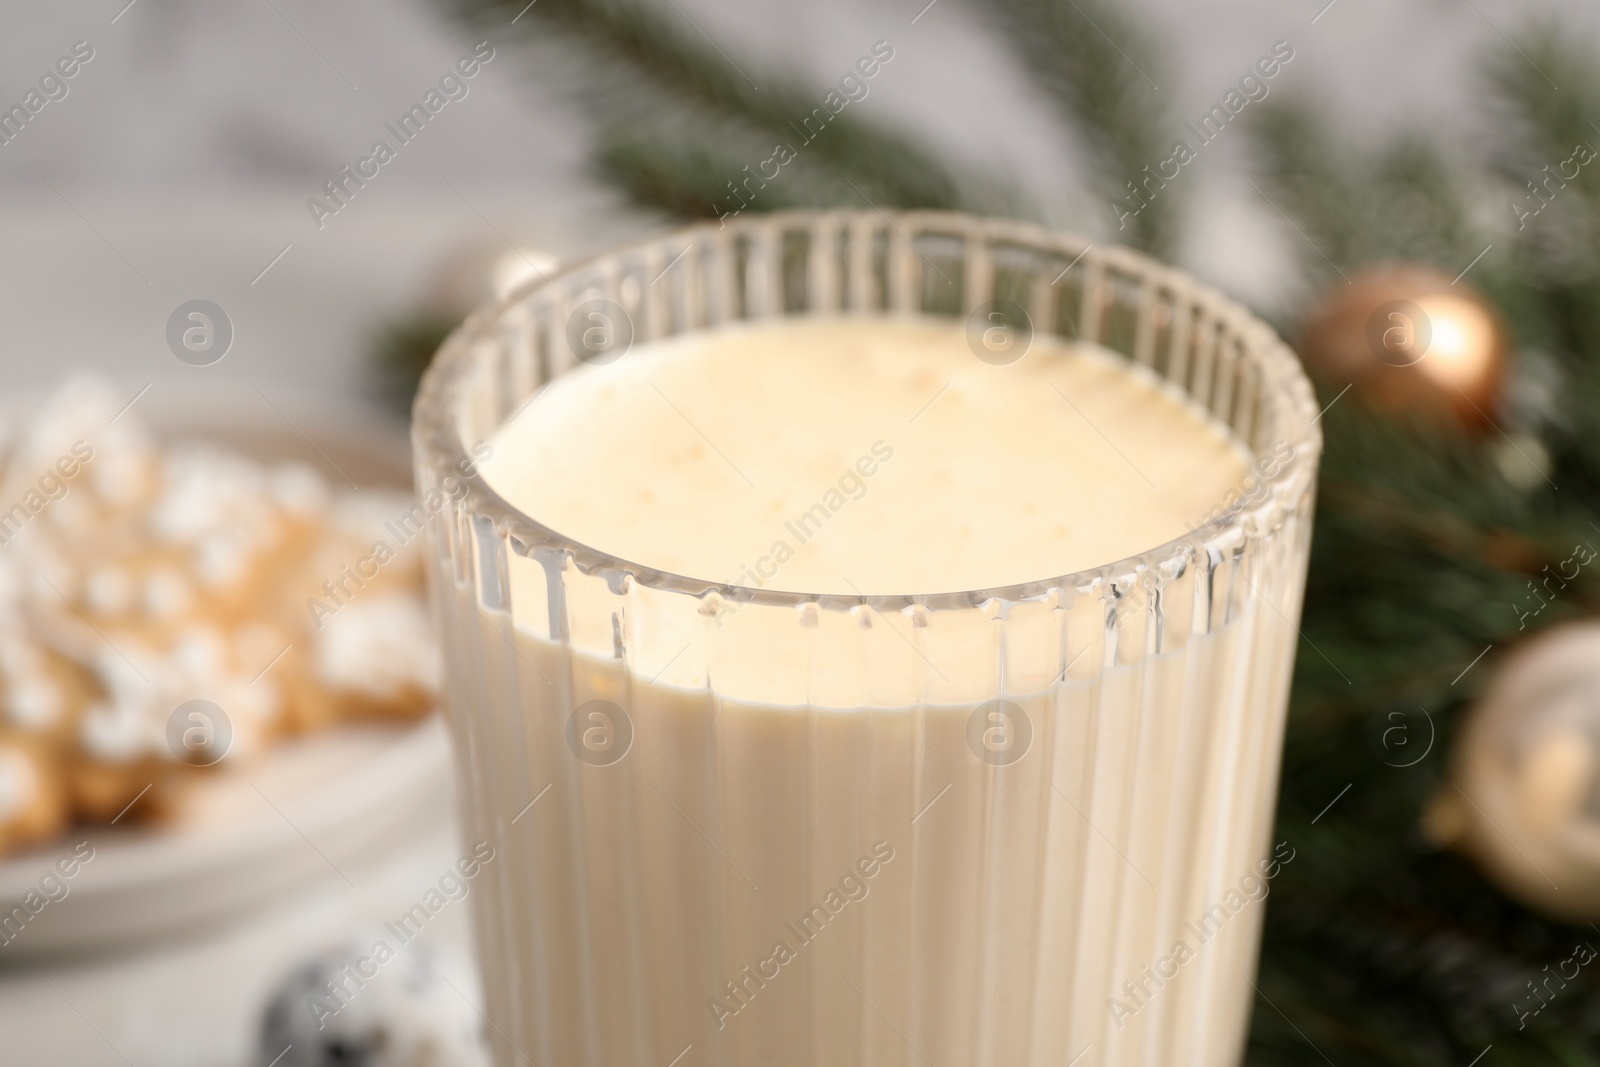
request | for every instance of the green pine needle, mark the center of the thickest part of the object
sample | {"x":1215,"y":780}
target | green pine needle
{"x":1094,"y":63}
{"x":1380,"y":950}
{"x":643,"y":65}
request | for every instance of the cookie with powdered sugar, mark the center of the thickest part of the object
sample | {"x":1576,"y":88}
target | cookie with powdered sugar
{"x":33,"y":802}
{"x":137,"y":579}
{"x":137,"y":736}
{"x":42,"y":693}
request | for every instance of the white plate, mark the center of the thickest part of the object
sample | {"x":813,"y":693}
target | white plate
{"x":311,"y":810}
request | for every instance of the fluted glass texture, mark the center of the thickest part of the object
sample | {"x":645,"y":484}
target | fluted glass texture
{"x":752,"y":828}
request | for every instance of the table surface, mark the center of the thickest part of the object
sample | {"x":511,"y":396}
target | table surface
{"x":197,"y":1002}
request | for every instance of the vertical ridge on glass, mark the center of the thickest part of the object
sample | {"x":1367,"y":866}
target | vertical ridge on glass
{"x":1157,"y":685}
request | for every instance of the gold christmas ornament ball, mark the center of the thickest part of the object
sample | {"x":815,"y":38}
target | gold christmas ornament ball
{"x":1407,"y":338}
{"x":1522,"y":798}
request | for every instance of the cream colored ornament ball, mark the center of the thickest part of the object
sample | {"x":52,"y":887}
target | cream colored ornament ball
{"x":1523,"y":794}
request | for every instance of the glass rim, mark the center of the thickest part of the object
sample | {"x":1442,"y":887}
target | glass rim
{"x":440,"y":446}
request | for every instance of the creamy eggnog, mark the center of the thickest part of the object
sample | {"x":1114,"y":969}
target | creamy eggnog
{"x":841,"y":457}
{"x":794,"y":768}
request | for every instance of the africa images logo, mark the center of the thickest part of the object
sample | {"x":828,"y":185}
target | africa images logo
{"x":342,"y":188}
{"x":853,"y":886}
{"x":1252,"y":888}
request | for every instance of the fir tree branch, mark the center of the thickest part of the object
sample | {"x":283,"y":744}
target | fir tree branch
{"x":401,"y":350}
{"x":1094,"y":64}
{"x":647,"y":63}
{"x":1380,"y":952}
{"x":1538,"y":126}
{"x":1405,"y":201}
{"x":1552,"y":196}
{"x":1543,"y":138}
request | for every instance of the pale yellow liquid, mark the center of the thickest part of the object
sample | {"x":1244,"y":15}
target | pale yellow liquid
{"x":774,"y":748}
{"x":700,"y":455}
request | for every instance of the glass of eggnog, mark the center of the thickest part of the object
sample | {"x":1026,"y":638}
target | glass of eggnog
{"x":867,"y":642}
